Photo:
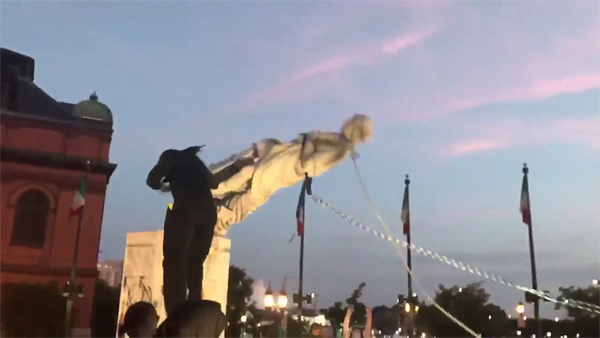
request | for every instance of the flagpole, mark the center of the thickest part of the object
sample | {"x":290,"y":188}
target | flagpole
{"x":72,"y":280}
{"x":534,"y":281}
{"x":408,"y":256}
{"x":306,"y":189}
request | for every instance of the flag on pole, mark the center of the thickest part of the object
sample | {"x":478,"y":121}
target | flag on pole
{"x":525,"y":207}
{"x":405,"y":216}
{"x":79,"y":199}
{"x":300,"y":213}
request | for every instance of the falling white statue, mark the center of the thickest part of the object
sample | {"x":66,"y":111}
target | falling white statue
{"x":279,"y":165}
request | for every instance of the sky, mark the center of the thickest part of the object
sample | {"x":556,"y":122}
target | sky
{"x":461,"y":94}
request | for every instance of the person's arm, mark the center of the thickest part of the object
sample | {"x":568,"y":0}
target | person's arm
{"x":160,"y":170}
{"x":367,"y":331}
{"x":346,"y":326}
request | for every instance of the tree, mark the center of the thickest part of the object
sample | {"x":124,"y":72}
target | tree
{"x":32,"y":310}
{"x":469,"y":304}
{"x":586,"y":323}
{"x":385,"y":319}
{"x":335,"y":314}
{"x":105,"y":309}
{"x":239,"y":292}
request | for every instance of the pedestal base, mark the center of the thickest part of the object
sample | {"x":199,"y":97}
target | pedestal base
{"x":143,"y":273}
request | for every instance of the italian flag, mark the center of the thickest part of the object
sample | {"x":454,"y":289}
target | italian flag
{"x":79,"y":199}
{"x":525,"y":207}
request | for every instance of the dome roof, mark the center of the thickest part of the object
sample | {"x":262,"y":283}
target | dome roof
{"x":93,"y":109}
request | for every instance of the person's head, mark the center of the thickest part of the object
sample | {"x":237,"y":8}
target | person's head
{"x":357,"y":333}
{"x":140,"y":321}
{"x":202,"y":318}
{"x":316,"y":330}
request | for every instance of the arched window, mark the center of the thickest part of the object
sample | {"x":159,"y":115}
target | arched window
{"x":31,"y":217}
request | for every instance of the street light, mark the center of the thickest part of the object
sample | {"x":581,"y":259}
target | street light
{"x":278,"y":306}
{"x":521,"y":320}
{"x":520,"y":308}
{"x":244,"y":319}
{"x":282,"y":300}
{"x":269,"y":301}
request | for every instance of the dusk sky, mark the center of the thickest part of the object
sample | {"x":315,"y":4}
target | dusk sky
{"x":460,"y":94}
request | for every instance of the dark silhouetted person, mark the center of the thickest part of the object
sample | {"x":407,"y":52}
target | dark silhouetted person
{"x":190,"y":225}
{"x":140,"y":321}
{"x":194,"y":319}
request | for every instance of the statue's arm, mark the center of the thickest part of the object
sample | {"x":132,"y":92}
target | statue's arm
{"x":230,"y":171}
{"x":161,"y":170}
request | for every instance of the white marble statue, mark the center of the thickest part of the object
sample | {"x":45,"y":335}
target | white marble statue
{"x":279,"y":165}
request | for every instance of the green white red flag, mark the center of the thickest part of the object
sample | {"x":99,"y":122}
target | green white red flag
{"x":405,"y":216}
{"x":525,"y":207}
{"x":79,"y":199}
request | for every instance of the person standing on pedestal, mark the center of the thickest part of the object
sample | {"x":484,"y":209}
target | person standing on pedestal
{"x":190,"y":224}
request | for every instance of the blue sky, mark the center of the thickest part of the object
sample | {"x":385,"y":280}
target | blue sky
{"x":461,"y":94}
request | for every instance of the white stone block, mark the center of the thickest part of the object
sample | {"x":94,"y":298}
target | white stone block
{"x":143,"y":273}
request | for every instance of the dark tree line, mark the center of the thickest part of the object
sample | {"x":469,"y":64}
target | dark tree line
{"x":45,"y":305}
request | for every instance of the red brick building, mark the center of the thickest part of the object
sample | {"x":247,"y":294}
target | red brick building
{"x":44,"y":146}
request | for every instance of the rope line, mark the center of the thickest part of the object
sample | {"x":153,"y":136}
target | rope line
{"x":457,"y":264}
{"x":404,"y":262}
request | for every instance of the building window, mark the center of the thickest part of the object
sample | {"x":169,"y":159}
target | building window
{"x":31,"y":217}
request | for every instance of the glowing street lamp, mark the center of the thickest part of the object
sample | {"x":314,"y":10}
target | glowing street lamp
{"x":282,"y":300}
{"x":269,"y":300}
{"x":521,"y":320}
{"x":520,"y":308}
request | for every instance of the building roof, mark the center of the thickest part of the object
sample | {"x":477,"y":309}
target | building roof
{"x":31,"y":101}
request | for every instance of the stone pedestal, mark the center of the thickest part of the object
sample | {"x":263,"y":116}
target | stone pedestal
{"x":143,"y":273}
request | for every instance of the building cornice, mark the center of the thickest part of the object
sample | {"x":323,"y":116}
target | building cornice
{"x":55,"y":160}
{"x":84,"y":126}
{"x":47,"y":271}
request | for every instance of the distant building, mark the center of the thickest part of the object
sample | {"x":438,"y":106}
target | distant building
{"x":110,"y":271}
{"x":45,"y":144}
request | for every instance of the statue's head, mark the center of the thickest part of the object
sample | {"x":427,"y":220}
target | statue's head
{"x":324,"y":150}
{"x":358,"y":128}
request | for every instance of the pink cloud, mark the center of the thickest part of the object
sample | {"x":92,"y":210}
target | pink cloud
{"x":405,"y":41}
{"x":584,"y":132}
{"x":303,"y":81}
{"x":327,"y":66}
{"x":539,"y":90}
{"x":472,"y":146}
